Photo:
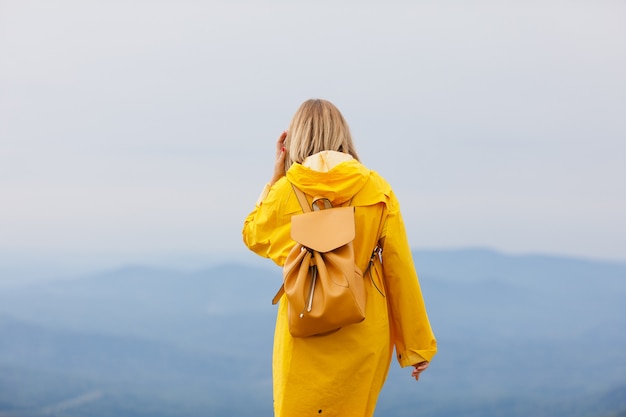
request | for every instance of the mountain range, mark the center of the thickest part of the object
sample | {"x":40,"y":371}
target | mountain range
{"x":517,"y":335}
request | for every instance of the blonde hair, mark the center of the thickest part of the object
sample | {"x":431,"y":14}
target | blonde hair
{"x":315,"y":127}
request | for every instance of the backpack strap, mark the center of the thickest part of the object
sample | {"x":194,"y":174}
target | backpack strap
{"x":304,"y":203}
{"x":319,"y":203}
{"x":377,"y":252}
{"x":279,"y":294}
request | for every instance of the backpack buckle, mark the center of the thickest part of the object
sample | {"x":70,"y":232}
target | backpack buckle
{"x":320,"y":203}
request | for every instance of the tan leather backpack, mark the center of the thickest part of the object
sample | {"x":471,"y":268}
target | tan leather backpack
{"x":323,"y":284}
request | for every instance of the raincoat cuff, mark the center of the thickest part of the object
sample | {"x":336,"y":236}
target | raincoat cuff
{"x":264,"y":193}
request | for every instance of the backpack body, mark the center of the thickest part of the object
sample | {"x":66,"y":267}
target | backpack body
{"x":324,"y":286}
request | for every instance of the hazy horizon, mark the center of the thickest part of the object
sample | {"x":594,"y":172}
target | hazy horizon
{"x":26,"y":268}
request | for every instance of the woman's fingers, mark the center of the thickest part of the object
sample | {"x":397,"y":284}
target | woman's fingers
{"x":419,"y":368}
{"x":279,"y":163}
{"x":280,"y":143}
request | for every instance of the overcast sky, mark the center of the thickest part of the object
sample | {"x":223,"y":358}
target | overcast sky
{"x":143,"y":127}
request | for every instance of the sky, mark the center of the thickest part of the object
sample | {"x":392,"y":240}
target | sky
{"x":140,"y":129}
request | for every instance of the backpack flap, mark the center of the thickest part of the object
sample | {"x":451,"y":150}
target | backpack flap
{"x":324,"y":230}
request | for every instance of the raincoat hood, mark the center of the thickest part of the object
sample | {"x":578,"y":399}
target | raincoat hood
{"x":330,"y":174}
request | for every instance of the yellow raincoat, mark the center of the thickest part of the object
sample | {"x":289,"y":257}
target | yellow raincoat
{"x":342,"y":373}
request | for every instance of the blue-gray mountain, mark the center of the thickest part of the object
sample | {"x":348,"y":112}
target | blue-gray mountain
{"x":518,"y":336}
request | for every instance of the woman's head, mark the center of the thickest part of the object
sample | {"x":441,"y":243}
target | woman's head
{"x":317,"y":126}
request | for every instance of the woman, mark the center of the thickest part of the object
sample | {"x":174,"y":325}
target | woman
{"x":341,"y":373}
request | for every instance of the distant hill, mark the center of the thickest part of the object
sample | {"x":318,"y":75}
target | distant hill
{"x":518,"y":335}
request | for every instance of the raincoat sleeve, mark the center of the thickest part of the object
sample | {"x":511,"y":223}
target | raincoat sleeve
{"x":410,"y":328}
{"x":266,"y":231}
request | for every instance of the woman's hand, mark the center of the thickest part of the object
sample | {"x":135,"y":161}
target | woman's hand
{"x":419,"y":367}
{"x":279,"y":164}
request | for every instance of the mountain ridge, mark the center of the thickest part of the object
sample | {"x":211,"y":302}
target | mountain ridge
{"x":506,"y":341}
